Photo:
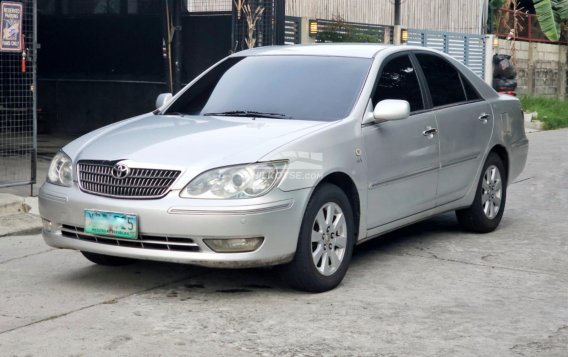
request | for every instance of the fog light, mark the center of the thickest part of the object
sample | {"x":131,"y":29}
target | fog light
{"x":234,"y":245}
{"x":50,"y":227}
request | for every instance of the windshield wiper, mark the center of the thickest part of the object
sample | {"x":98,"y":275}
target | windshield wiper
{"x":249,"y":113}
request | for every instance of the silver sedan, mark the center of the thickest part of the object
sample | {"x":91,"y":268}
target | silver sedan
{"x":289,"y":156}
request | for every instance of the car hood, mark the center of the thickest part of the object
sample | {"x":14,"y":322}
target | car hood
{"x":189,"y":141}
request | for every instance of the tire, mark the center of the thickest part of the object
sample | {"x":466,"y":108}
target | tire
{"x":320,"y":264}
{"x":107,"y":260}
{"x":486,"y":211}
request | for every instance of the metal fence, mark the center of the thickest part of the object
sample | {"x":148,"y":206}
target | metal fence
{"x":257,"y":23}
{"x":467,"y":48}
{"x":18,"y":144}
{"x":330,"y":30}
{"x":520,"y":25}
{"x":208,"y":6}
{"x":293,"y":30}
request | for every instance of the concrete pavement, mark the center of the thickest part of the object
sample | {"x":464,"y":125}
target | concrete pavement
{"x":47,"y":146}
{"x":18,"y":215}
{"x":18,"y":210}
{"x":426,"y":290}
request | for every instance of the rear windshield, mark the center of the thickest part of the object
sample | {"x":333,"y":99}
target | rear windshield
{"x":296,"y":87}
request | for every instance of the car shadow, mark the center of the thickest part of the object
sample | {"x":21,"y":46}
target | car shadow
{"x":432,"y":229}
{"x":175,"y":278}
{"x":184,"y":281}
{"x":133,"y":276}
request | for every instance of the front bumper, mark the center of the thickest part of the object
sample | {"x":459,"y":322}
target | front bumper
{"x":276,"y":217}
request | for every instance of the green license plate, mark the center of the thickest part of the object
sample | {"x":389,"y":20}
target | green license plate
{"x":112,"y":224}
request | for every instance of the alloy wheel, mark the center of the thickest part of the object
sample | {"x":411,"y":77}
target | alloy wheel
{"x":329,"y":239}
{"x":492,"y":192}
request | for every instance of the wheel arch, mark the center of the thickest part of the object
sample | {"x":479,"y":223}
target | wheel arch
{"x":501,"y":151}
{"x":347,"y":185}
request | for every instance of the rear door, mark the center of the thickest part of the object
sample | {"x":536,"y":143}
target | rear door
{"x":464,"y":121}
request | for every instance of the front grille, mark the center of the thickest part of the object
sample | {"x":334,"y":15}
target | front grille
{"x":175,"y":244}
{"x":96,"y":177}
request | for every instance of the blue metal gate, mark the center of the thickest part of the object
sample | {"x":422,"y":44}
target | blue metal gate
{"x":467,"y":48}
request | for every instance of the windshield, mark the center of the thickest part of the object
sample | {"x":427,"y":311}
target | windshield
{"x":287,"y":87}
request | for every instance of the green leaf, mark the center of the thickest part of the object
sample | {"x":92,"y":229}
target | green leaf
{"x":561,"y":9}
{"x":548,"y":18}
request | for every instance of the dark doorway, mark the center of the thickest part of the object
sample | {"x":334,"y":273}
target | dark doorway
{"x":103,"y":61}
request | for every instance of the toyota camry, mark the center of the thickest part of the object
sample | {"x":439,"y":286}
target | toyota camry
{"x":289,"y":156}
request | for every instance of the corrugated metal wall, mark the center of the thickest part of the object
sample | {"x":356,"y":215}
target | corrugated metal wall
{"x":437,"y":15}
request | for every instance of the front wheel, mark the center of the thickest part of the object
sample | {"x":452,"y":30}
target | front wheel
{"x":325,"y":244}
{"x":485,"y":214}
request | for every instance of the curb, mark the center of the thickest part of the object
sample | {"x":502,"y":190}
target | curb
{"x":19,"y":224}
{"x":18,"y":215}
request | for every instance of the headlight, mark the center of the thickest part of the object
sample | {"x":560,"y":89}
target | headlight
{"x":235,"y":182}
{"x":61,"y":170}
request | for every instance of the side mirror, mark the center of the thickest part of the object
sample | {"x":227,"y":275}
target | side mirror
{"x":391,"y":109}
{"x":163,"y":99}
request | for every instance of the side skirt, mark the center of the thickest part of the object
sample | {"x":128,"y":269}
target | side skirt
{"x":407,"y":221}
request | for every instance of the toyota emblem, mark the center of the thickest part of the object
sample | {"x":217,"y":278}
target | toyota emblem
{"x":120,"y":171}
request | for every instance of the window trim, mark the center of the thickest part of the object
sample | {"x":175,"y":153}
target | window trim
{"x":463,"y":82}
{"x":386,"y":61}
{"x":460,"y":74}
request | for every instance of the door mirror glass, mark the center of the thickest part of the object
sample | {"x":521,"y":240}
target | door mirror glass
{"x":163,"y":99}
{"x":391,"y":109}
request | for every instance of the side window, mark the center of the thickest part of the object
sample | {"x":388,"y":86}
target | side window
{"x":443,"y":80}
{"x":470,"y":92}
{"x":398,"y":81}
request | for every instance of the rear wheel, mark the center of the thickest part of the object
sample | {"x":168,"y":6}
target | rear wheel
{"x":325,"y":244}
{"x":485,"y":214}
{"x":107,"y":260}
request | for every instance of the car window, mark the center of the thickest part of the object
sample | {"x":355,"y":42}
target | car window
{"x":399,"y":81}
{"x":470,"y":92}
{"x":295,"y":87}
{"x":443,"y":80}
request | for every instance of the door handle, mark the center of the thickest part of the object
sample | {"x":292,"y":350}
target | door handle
{"x":429,"y":132}
{"x":483,"y":118}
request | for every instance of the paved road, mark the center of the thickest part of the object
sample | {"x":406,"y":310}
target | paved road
{"x":427,"y":290}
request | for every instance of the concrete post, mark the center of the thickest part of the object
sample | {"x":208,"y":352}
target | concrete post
{"x":387,"y":39}
{"x":531,"y":71}
{"x":305,"y":31}
{"x":396,"y":38}
{"x":562,"y":57}
{"x":561,"y":81}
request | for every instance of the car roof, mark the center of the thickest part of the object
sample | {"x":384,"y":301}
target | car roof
{"x":358,"y":50}
{"x":320,"y":49}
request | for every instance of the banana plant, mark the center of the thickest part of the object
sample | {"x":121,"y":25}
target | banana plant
{"x":496,"y":4}
{"x":550,"y":14}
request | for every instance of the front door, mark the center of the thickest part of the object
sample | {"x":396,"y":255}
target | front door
{"x":402,"y":156}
